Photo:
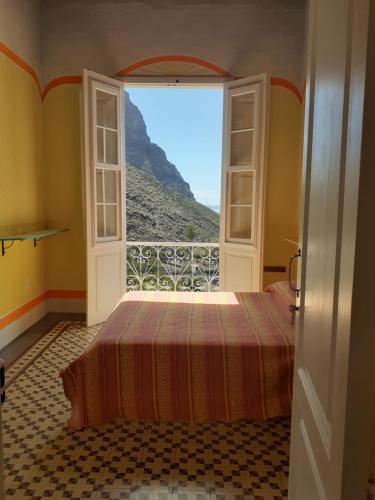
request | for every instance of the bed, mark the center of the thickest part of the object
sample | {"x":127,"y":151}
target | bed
{"x":181,"y":356}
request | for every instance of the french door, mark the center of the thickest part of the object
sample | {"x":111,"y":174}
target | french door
{"x":103,"y":184}
{"x":242,"y":184}
{"x":333,"y":355}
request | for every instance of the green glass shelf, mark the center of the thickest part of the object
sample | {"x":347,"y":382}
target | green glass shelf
{"x":33,"y":235}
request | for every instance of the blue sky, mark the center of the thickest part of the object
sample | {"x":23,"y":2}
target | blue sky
{"x":187,"y":124}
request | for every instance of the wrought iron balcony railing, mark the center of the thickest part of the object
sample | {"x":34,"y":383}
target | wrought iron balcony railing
{"x":172,"y":266}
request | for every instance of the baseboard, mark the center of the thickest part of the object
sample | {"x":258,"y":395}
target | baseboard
{"x":51,"y":301}
{"x":19,"y":325}
{"x":66,"y":305}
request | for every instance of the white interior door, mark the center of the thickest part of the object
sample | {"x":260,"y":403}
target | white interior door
{"x":329,"y":410}
{"x":243,"y":173}
{"x":104,"y":177}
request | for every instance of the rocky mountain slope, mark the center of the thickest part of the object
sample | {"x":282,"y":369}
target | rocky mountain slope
{"x":160,"y":205}
{"x":147,"y":156}
{"x":154,"y":213}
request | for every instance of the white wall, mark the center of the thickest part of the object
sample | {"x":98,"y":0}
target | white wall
{"x":20,"y":29}
{"x":243,"y":36}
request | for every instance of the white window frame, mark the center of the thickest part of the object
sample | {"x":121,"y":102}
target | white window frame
{"x":103,"y":166}
{"x":230,"y":169}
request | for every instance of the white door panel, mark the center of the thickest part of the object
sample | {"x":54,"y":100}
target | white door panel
{"x":109,"y":280}
{"x":336,"y":45}
{"x":104,"y":177}
{"x":307,"y":470}
{"x":242,"y":185}
{"x":241,"y":267}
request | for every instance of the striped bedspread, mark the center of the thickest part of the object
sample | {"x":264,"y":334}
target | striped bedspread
{"x":181,"y":356}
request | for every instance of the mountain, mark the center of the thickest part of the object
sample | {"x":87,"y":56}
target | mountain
{"x":159,"y":203}
{"x":216,"y":208}
{"x":155,"y":214}
{"x":147,"y":156}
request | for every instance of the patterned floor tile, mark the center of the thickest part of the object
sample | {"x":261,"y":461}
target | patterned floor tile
{"x":152,"y":494}
{"x":191,"y":495}
{"x":150,"y":461}
{"x":193,"y":459}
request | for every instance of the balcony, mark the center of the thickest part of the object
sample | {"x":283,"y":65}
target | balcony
{"x":176,"y":266}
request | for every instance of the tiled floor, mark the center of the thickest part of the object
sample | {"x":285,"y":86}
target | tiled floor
{"x":44,"y":459}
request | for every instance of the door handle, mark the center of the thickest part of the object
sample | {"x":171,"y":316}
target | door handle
{"x":295,"y":256}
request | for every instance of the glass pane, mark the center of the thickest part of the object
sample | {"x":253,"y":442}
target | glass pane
{"x":110,"y":178}
{"x":106,"y":109}
{"x":100,"y":144}
{"x":111,"y":220}
{"x":243,"y":111}
{"x":111,"y":147}
{"x":99,"y":186}
{"x":241,"y":188}
{"x":241,"y":148}
{"x":100,"y":221}
{"x":240,"y":222}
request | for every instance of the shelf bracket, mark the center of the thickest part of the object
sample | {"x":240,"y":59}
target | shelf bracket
{"x":37,"y":239}
{"x":3,"y":247}
{"x":33,"y":236}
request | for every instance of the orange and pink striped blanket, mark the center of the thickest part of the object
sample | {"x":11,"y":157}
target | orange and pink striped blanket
{"x":181,"y":356}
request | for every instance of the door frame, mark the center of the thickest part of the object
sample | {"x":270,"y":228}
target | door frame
{"x":211,"y":82}
{"x":219,"y":82}
{"x":174,"y":81}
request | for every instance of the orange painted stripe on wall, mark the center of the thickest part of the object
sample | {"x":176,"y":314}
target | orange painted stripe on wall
{"x":274,"y":80}
{"x":20,"y":62}
{"x":49,"y":294}
{"x":287,"y":84}
{"x":62,"y":80}
{"x":170,"y":58}
{"x":20,"y":311}
{"x":77,"y":79}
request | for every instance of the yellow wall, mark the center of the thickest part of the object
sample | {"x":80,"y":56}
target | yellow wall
{"x":40,"y":185}
{"x":22,"y":274}
{"x":283,"y":180}
{"x":62,"y":161}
